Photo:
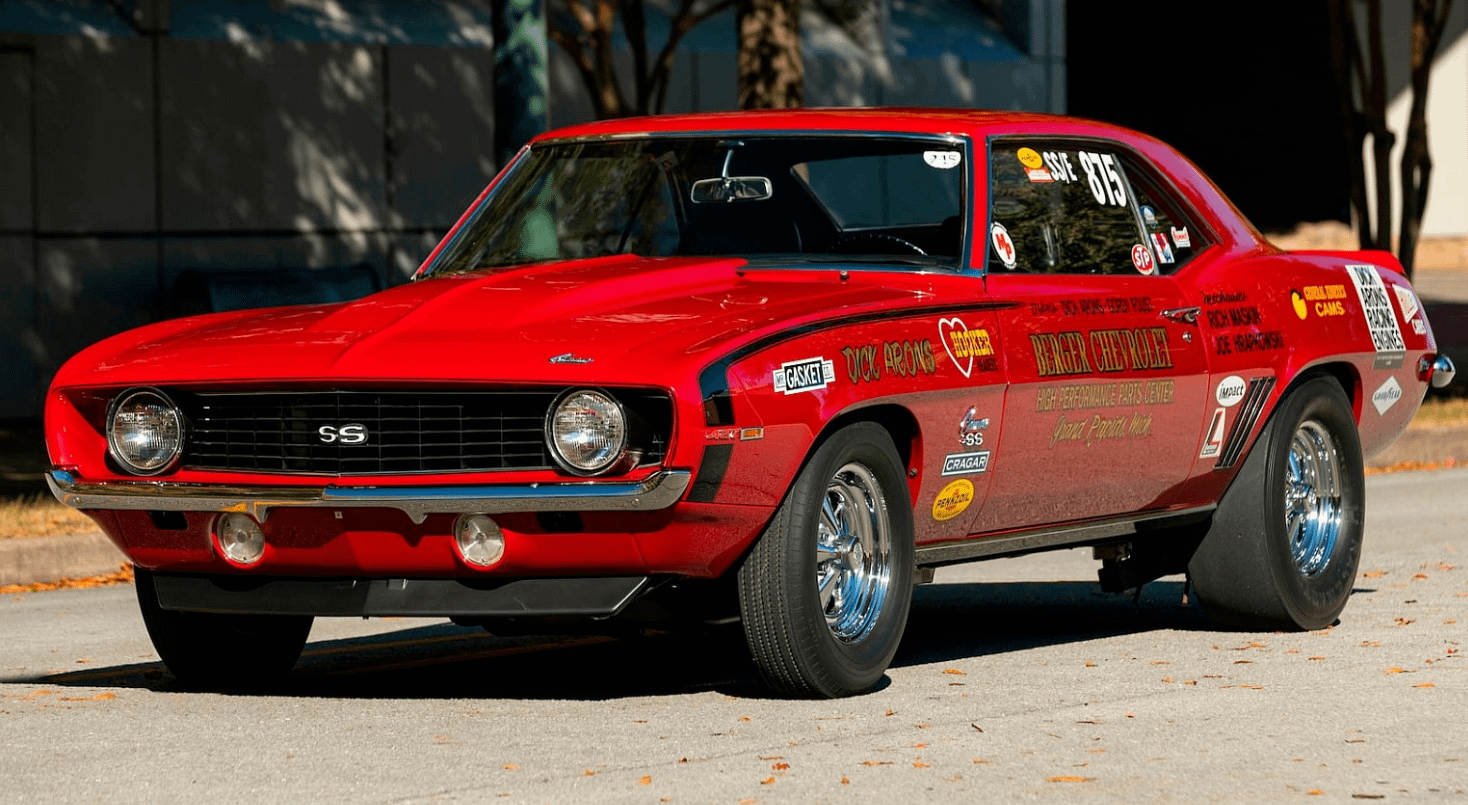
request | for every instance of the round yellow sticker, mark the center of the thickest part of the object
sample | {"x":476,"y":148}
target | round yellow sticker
{"x":1030,"y":158}
{"x":954,"y":498}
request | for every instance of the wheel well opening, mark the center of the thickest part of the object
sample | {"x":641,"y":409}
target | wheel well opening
{"x":1343,"y":374}
{"x":895,"y":419}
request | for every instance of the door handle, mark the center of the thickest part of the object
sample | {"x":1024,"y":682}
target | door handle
{"x":1183,"y":315}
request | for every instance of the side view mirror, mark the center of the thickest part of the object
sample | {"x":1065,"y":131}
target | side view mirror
{"x":731,"y":188}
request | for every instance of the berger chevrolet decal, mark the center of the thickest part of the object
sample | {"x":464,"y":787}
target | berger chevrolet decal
{"x":1076,"y":353}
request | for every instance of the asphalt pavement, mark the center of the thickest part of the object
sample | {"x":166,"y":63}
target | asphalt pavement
{"x":1018,"y":680}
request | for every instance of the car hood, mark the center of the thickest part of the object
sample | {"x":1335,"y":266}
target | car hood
{"x":620,"y":319}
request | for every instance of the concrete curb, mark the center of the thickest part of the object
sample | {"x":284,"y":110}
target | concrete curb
{"x":35,"y":560}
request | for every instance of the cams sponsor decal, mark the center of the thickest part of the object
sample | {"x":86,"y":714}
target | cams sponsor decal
{"x":966,"y":463}
{"x":808,"y":374}
{"x":1381,"y":320}
{"x":892,"y":358}
{"x":1324,"y":300}
{"x":971,"y":428}
{"x":952,"y":501}
{"x":1230,"y":391}
{"x":1076,"y":353}
{"x":1082,"y":397}
{"x":964,"y":346}
{"x":1098,"y":429}
{"x":1213,"y":440}
{"x":1386,"y":395}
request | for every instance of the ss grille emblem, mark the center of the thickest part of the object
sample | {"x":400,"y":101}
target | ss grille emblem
{"x":343,"y":434}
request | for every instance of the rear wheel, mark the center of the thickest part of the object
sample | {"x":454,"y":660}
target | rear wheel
{"x":1285,"y":544}
{"x":824,"y":594}
{"x":219,"y":651}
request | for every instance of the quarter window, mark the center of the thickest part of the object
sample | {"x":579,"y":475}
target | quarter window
{"x":1064,"y":209}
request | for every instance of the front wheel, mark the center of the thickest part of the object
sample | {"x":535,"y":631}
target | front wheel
{"x":214,"y":651}
{"x":824,"y":594}
{"x":1285,"y":543}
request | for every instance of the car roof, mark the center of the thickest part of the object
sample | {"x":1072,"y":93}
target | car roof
{"x":908,"y":120}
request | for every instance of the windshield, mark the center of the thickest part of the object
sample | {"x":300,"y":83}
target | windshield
{"x":764,"y":198}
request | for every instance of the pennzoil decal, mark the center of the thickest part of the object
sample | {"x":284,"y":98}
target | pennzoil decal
{"x":952,"y":501}
{"x":966,"y":463}
{"x":808,"y":374}
{"x":1381,"y":319}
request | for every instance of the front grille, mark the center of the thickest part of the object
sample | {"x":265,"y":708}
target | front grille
{"x":406,"y":431}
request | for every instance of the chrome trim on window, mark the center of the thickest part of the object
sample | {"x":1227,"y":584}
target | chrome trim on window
{"x":658,"y":491}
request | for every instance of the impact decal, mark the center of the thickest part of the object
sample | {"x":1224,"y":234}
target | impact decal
{"x":1128,"y":393}
{"x":1142,"y":259}
{"x":1104,"y":178}
{"x":898,"y":358}
{"x":1073,"y":353}
{"x":1386,"y":395}
{"x":942,"y":160}
{"x":1164,"y":250}
{"x":952,"y":501}
{"x":1381,"y":320}
{"x":1182,"y":238}
{"x":971,"y":428}
{"x":1003,"y":245}
{"x":1213,"y":441}
{"x":1230,"y":391}
{"x":808,"y":374}
{"x":964,"y":345}
{"x":966,"y":463}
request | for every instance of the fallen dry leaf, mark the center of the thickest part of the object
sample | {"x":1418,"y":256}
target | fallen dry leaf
{"x":510,"y":766}
{"x":771,"y":757}
{"x":1090,"y":664}
{"x":780,"y":766}
{"x":124,"y":575}
{"x":845,"y":781}
{"x":1314,"y":792}
{"x":589,"y":773}
{"x":918,"y":764}
{"x":876,"y":763}
{"x":1373,"y":574}
{"x":981,"y":760}
{"x":1067,"y":778}
{"x":646,"y":779}
{"x":1396,"y":670}
{"x":954,"y":671}
{"x":1425,"y":685}
{"x":767,"y":781}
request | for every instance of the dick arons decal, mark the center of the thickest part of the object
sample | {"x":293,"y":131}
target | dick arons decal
{"x":808,"y":374}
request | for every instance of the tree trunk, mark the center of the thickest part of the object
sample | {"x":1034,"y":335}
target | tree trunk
{"x":1382,"y":139}
{"x":1428,"y":21}
{"x":1345,"y":58}
{"x":771,"y":72}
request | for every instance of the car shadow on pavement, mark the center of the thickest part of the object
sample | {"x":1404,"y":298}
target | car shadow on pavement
{"x":948,"y":622}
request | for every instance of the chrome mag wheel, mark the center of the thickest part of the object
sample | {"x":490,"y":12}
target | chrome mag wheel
{"x":1312,"y":497}
{"x":853,"y":553}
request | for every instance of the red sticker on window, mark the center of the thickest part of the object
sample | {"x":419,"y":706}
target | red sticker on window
{"x":1142,"y":259}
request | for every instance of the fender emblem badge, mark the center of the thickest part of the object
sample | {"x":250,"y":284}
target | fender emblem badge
{"x":570,"y":357}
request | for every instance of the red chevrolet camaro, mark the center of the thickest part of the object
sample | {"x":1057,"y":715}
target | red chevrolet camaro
{"x":772,"y":365}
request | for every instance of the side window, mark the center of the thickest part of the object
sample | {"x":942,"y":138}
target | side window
{"x":1063,"y":209}
{"x":1171,"y":230}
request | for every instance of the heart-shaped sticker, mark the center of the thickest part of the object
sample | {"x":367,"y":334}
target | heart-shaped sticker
{"x":945,"y":330}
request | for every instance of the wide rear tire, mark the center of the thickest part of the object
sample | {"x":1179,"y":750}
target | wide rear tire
{"x":824,"y":594}
{"x":214,"y":651}
{"x":1285,"y":543}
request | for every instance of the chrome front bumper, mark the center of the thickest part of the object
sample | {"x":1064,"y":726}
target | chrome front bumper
{"x":658,"y":491}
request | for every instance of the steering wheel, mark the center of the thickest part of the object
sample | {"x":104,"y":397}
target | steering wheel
{"x":881,"y":242}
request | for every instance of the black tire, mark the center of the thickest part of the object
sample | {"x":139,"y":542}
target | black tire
{"x":1262,"y":565}
{"x":213,"y":651}
{"x":802,"y":646}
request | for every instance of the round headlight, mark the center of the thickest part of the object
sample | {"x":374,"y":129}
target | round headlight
{"x":144,"y":431}
{"x":587,"y":432}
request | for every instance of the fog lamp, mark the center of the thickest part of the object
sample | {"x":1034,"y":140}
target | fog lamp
{"x":240,"y":538}
{"x":479,"y":541}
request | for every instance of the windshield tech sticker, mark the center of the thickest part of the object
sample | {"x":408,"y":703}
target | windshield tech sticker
{"x":942,"y":160}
